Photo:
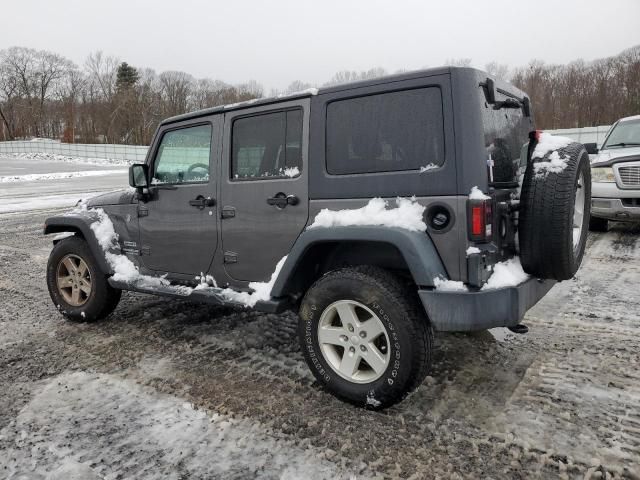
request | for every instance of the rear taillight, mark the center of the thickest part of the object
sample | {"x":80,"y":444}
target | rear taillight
{"x":480,"y":215}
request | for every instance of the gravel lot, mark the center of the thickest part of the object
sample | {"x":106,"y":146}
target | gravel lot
{"x":166,"y":389}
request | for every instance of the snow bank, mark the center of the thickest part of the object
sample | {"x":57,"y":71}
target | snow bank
{"x":506,"y":274}
{"x":47,"y":202}
{"x":53,"y":157}
{"x":34,"y":177}
{"x":408,"y":214}
{"x":476,"y":194}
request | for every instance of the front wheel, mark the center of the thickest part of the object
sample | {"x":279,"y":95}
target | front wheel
{"x":76,"y":285}
{"x":363,"y":337}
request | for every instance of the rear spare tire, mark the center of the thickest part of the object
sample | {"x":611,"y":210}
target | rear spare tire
{"x":554,"y":212}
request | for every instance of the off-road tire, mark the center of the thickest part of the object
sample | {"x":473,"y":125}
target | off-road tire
{"x":598,"y":224}
{"x":103,"y":298}
{"x":410,"y":335}
{"x":546,"y":216}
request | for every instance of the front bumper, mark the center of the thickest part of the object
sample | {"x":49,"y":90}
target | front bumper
{"x":616,"y":209}
{"x":469,"y":311}
{"x":610,"y":201}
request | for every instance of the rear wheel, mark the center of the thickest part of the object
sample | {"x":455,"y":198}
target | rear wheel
{"x":363,"y":337}
{"x":76,"y":285}
{"x":598,"y":224}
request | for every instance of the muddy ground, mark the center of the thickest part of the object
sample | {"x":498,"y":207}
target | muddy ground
{"x":166,"y":389}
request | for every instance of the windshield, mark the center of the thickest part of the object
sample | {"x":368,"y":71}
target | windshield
{"x":624,"y":134}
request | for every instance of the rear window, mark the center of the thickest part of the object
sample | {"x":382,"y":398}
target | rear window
{"x":385,"y":132}
{"x":506,"y":131}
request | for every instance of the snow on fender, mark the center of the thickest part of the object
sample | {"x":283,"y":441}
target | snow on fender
{"x":555,"y":207}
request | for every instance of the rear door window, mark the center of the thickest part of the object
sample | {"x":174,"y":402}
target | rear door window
{"x":385,"y":132}
{"x":267,"y":146}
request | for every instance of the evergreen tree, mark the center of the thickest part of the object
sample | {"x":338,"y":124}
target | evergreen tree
{"x":127,"y":77}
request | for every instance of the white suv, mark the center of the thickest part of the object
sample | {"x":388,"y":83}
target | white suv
{"x":615,"y":173}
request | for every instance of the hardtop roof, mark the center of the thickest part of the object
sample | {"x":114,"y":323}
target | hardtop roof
{"x":316,"y":91}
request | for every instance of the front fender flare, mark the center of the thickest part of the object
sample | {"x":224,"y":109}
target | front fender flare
{"x":80,"y":222}
{"x":416,"y":248}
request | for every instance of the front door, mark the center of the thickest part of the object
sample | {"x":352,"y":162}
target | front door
{"x":178,"y":222}
{"x":264,"y":187}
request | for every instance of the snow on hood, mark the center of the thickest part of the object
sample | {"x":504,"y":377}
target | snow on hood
{"x":611,"y":154}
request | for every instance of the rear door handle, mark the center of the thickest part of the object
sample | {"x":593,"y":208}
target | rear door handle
{"x":281,"y":200}
{"x":202,"y":202}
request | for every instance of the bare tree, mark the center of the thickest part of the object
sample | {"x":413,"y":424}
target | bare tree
{"x":458,"y":62}
{"x":498,"y":70}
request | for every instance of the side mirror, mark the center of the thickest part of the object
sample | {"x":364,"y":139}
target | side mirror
{"x":591,"y":148}
{"x":139,"y":175}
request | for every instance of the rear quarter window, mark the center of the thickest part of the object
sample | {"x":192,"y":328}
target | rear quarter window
{"x":395,"y":131}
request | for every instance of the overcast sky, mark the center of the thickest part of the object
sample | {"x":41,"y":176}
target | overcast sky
{"x":276,"y":42}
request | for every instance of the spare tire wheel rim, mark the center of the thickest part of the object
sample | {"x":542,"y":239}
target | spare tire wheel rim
{"x":578,"y":213}
{"x":354,"y":341}
{"x":73,"y":280}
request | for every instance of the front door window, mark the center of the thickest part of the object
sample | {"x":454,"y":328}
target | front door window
{"x":183,"y":156}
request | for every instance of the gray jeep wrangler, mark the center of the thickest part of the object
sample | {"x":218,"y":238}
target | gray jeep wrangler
{"x":229,"y":193}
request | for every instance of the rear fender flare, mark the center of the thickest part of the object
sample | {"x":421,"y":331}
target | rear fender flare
{"x":416,"y":248}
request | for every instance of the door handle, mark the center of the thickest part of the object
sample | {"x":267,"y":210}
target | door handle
{"x":281,"y":200}
{"x":202,"y":202}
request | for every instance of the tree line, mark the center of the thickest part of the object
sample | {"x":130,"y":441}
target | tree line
{"x":43,"y":94}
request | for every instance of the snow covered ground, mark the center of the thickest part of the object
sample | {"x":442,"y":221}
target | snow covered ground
{"x":148,"y":393}
{"x":40,"y":181}
{"x":167,"y":389}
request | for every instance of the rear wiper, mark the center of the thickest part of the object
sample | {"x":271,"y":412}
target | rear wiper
{"x":508,"y":103}
{"x":622,"y":144}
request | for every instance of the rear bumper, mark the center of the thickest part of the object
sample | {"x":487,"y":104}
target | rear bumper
{"x":615,"y":209}
{"x":469,"y":311}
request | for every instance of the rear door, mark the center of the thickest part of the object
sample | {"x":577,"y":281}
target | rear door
{"x":264,"y":187}
{"x":178,"y":230}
